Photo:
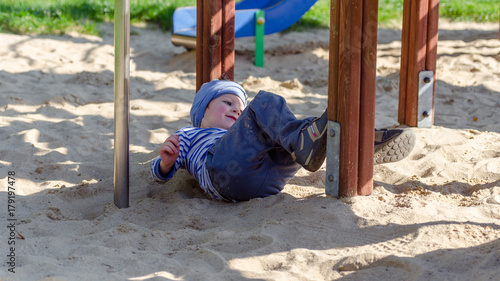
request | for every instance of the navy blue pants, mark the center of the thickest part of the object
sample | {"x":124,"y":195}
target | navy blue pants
{"x":253,"y":159}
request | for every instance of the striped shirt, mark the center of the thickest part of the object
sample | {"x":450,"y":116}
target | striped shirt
{"x":194,"y":145}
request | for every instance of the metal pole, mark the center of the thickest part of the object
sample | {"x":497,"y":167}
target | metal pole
{"x":122,"y":80}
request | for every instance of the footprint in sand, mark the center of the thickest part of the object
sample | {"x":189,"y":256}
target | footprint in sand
{"x":371,"y":260}
{"x":239,"y":246}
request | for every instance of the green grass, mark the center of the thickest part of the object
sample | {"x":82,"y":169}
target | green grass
{"x":61,"y":16}
{"x":52,"y":16}
{"x":392,"y":10}
{"x":317,"y":17}
{"x":454,"y":10}
{"x":466,"y":10}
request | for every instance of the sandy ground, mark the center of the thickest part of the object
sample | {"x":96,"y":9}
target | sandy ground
{"x":432,"y":216}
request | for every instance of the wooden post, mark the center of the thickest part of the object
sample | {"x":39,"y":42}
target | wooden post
{"x":228,"y":39}
{"x":212,"y":37}
{"x":349,"y":94}
{"x":214,"y":40}
{"x":351,"y":91}
{"x":403,"y":72}
{"x":432,"y":43}
{"x":199,"y":44}
{"x":368,"y":94}
{"x":333,"y":61}
{"x":418,"y":53}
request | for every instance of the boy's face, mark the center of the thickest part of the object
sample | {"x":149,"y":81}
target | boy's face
{"x":222,"y":112}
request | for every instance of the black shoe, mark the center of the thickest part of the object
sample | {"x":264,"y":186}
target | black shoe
{"x":392,"y":145}
{"x":310,"y":152}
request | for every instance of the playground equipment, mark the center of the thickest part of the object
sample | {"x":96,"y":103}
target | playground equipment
{"x":351,"y":97}
{"x":418,"y":63}
{"x":351,"y":86}
{"x":122,"y":82}
{"x":251,"y":18}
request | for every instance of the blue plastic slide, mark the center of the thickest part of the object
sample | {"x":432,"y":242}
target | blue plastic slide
{"x":279,"y":15}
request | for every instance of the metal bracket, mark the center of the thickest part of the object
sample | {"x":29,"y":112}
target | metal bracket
{"x":425,"y":98}
{"x":332,"y":159}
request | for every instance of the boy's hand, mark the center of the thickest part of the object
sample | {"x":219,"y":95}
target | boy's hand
{"x":169,"y":151}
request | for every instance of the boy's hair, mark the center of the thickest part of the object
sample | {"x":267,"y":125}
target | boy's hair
{"x":212,"y":90}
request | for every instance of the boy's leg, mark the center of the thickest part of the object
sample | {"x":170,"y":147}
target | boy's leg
{"x":259,"y":154}
{"x":253,"y":159}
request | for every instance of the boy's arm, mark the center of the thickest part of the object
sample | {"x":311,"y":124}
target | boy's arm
{"x":155,"y":171}
{"x":169,"y":151}
{"x":162,"y":168}
{"x":165,"y":169}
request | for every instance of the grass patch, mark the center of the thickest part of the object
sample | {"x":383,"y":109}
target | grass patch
{"x":317,"y":17}
{"x":454,"y":10}
{"x":61,"y":16}
{"x":392,"y":10}
{"x":52,"y":16}
{"x":477,"y":11}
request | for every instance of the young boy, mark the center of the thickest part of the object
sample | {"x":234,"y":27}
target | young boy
{"x":238,"y":153}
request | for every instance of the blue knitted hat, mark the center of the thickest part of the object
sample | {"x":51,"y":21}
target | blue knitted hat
{"x":212,"y":90}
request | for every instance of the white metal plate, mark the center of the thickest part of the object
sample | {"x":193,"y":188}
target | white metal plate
{"x":332,"y":159}
{"x":425,"y":98}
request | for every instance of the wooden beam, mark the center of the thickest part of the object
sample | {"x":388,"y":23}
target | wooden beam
{"x":228,"y":39}
{"x":212,"y":36}
{"x":333,"y":61}
{"x":199,"y":44}
{"x":352,"y":90}
{"x":349,"y":94}
{"x":368,"y":94}
{"x":418,"y":53}
{"x":214,"y":40}
{"x":403,"y":73}
{"x":432,"y":43}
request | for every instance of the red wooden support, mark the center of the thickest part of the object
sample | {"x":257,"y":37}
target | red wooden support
{"x":199,"y":44}
{"x":333,"y":61}
{"x":351,"y":91}
{"x":212,"y":35}
{"x":228,"y":39}
{"x":368,"y":93}
{"x":432,"y":43}
{"x":214,"y":40}
{"x":403,"y":72}
{"x":418,"y":53}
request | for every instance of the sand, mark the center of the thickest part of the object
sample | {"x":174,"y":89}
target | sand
{"x":433,"y":216}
